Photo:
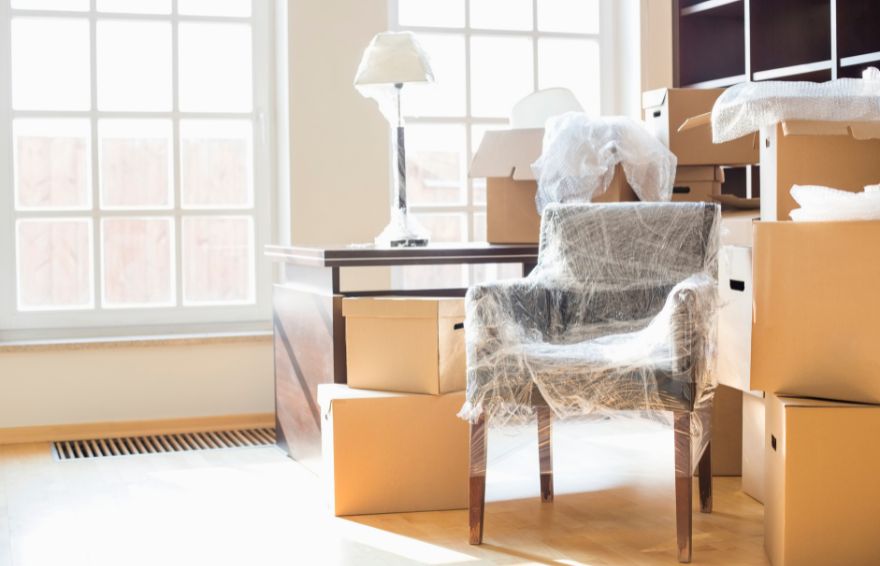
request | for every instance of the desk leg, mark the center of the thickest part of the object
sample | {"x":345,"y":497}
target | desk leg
{"x":309,"y":345}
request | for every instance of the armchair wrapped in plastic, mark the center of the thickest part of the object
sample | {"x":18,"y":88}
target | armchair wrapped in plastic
{"x":618,"y":315}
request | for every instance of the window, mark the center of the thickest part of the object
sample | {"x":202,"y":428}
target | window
{"x":486,"y":55}
{"x":135,"y":193}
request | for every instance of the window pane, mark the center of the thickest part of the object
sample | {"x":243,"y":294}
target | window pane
{"x":137,"y":261}
{"x":68,"y":5}
{"x":135,"y":6}
{"x":501,"y":73}
{"x":134,"y":66}
{"x":230,"y":8}
{"x":215,"y":67}
{"x":478,"y":185}
{"x":434,"y":13}
{"x":216,"y":164}
{"x":501,"y":14}
{"x":217,"y":260}
{"x":135,"y":163}
{"x":577,"y":16}
{"x":54,"y":264}
{"x":435,"y":164}
{"x":50,"y":64}
{"x":51,"y":164}
{"x":443,"y":228}
{"x":446,"y":96}
{"x":574,"y":64}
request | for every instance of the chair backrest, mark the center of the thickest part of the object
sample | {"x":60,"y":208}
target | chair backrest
{"x":628,"y":244}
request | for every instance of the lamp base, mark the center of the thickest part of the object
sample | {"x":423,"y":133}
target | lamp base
{"x":404,"y":231}
{"x":408,"y":243}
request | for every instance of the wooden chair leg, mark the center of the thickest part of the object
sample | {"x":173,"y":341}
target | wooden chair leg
{"x":683,"y":485}
{"x":477,"y":494}
{"x":545,"y":451}
{"x":705,"y":467}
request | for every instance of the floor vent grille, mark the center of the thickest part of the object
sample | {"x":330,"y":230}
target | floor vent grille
{"x":162,"y":443}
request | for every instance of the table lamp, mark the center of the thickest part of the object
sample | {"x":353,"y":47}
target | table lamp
{"x":392,"y":60}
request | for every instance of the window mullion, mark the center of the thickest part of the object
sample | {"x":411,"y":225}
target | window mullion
{"x":97,"y":260}
{"x":175,"y":152}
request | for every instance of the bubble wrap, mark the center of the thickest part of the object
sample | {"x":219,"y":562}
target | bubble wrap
{"x":823,"y":204}
{"x":618,"y":315}
{"x":747,"y":107}
{"x":580,"y":153}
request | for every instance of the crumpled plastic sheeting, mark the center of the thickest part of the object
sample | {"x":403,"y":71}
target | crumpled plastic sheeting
{"x":747,"y":107}
{"x":618,"y":318}
{"x":580,"y":153}
{"x":823,"y":204}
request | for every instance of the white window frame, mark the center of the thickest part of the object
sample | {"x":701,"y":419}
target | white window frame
{"x":609,"y":17}
{"x":99,"y":322}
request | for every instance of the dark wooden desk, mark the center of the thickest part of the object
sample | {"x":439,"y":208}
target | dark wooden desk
{"x":310,"y":331}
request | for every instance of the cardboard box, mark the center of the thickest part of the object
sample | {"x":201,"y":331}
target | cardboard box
{"x":815,"y":330}
{"x":392,"y":452}
{"x":735,"y":317}
{"x":727,"y":432}
{"x":736,"y":227}
{"x":822,"y":464}
{"x":697,"y":183}
{"x":407,"y":345}
{"x":833,"y":154}
{"x":668,"y":109}
{"x":505,"y":159}
{"x":753,"y":416}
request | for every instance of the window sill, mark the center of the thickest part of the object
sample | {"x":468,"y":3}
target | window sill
{"x":135,"y":341}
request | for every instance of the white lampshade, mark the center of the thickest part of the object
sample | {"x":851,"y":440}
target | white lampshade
{"x":394,"y":58}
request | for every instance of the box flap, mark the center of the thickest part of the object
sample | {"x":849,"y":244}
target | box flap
{"x":858,"y":130}
{"x":329,"y":392}
{"x":698,"y":173}
{"x":508,"y":153}
{"x":654,"y":98}
{"x":402,"y":307}
{"x":698,"y":121}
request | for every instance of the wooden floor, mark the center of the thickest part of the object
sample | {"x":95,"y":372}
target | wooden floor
{"x":255,"y":507}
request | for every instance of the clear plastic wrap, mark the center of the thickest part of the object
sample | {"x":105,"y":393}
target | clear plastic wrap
{"x":747,"y":107}
{"x":580,"y":154}
{"x":618,"y":315}
{"x":823,"y":204}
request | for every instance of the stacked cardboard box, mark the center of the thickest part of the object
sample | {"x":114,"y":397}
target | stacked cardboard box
{"x":392,"y":441}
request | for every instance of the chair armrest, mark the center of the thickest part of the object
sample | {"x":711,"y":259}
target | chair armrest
{"x":694,"y":304}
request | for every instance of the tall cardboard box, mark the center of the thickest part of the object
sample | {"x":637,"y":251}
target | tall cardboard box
{"x":753,"y":416}
{"x":735,"y":317}
{"x":391,"y":452}
{"x":822,"y":463}
{"x":505,"y":159}
{"x":815,"y":329}
{"x":840,"y":155}
{"x":407,"y":345}
{"x":667,"y":109}
{"x":697,"y":183}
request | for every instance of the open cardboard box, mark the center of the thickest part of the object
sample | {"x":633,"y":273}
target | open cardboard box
{"x":505,"y":159}
{"x":667,"y":109}
{"x":815,"y":330}
{"x":822,"y":463}
{"x":840,"y":155}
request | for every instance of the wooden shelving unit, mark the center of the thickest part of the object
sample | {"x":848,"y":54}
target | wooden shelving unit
{"x":718,"y":43}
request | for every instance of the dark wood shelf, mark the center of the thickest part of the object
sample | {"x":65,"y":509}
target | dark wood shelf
{"x":716,"y":45}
